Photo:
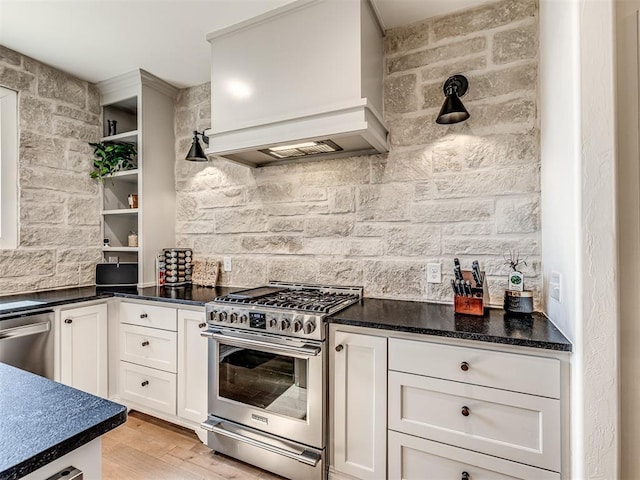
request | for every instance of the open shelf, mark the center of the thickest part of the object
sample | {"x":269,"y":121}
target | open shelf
{"x":131,"y":137}
{"x":120,"y":249}
{"x":120,"y":211}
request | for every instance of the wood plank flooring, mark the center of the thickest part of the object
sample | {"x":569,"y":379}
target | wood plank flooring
{"x":146,"y":448}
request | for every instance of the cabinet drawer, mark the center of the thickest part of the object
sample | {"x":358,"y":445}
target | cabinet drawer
{"x":150,"y":347}
{"x":149,"y":316}
{"x":508,"y":371}
{"x":148,"y":387}
{"x":412,"y":458}
{"x":523,"y":428}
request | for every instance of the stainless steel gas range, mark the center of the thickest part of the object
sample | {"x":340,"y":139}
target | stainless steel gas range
{"x":267,"y":387}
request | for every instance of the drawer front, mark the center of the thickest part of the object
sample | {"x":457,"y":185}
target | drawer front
{"x":148,"y":387}
{"x":508,"y":371}
{"x":149,"y":316}
{"x":150,"y":347}
{"x":519,"y":427}
{"x":412,"y":458}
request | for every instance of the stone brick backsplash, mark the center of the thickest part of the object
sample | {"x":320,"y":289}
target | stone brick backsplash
{"x":470,"y":190}
{"x":59,"y":234}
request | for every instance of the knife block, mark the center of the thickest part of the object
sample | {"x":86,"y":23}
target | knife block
{"x":478,"y":303}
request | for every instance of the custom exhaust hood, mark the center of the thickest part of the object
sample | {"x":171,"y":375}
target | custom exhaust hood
{"x":301,"y":82}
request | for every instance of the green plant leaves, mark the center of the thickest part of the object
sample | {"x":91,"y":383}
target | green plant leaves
{"x":111,"y":157}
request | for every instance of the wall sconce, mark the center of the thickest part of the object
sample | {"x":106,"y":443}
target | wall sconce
{"x":453,"y":110}
{"x":196,"y":154}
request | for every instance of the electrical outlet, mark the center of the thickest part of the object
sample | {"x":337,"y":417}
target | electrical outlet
{"x":226,"y":264}
{"x":434,"y":273}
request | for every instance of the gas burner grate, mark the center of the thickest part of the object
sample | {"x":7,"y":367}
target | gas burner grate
{"x":299,"y":299}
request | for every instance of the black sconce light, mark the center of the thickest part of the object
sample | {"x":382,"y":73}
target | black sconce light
{"x":453,"y":110}
{"x":196,"y":154}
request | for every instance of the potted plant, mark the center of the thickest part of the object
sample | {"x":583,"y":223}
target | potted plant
{"x":110,"y":157}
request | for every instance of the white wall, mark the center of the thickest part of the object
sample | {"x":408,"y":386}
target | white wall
{"x":578,"y":215}
{"x":628,"y":232}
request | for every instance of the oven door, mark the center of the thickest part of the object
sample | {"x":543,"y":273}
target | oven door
{"x":269,"y":383}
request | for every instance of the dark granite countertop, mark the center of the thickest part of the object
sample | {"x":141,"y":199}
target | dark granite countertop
{"x":42,"y":420}
{"x":437,"y":319}
{"x":414,"y":317}
{"x":185,"y":295}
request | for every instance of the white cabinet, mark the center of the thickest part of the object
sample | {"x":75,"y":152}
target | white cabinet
{"x":142,"y":105}
{"x":83,"y":348}
{"x":192,"y":366}
{"x":414,"y":458}
{"x":358,"y":404}
{"x":162,"y":361}
{"x":503,"y":405}
{"x":148,"y":356}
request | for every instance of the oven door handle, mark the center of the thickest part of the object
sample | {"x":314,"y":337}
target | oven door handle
{"x":307,"y":457}
{"x":304,"y":351}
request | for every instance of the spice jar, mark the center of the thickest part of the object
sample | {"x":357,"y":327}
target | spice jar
{"x":132,"y":239}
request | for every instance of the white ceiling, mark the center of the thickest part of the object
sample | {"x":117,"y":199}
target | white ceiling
{"x":99,"y":39}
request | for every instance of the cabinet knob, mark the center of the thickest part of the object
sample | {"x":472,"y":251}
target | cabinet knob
{"x":339,"y":348}
{"x":68,"y":320}
{"x":465,"y":411}
{"x":145,"y":343}
{"x":145,"y":383}
{"x":202,"y":325}
{"x":464,"y":366}
{"x":143,"y":315}
{"x":465,"y":476}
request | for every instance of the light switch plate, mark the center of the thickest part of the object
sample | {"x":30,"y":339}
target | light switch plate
{"x":226,"y":264}
{"x":555,"y":286}
{"x":434,"y":273}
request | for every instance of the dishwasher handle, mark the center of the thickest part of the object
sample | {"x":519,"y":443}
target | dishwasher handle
{"x":32,"y":329}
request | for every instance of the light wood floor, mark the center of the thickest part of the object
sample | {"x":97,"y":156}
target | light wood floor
{"x":146,"y":448}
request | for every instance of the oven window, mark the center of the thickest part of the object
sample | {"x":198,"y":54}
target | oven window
{"x":275,"y":383}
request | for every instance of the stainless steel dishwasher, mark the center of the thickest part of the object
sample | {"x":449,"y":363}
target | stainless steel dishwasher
{"x":26,"y":341}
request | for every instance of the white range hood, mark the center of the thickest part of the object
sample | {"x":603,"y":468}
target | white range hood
{"x":302,"y":82}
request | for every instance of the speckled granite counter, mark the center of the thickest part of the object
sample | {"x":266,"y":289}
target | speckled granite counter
{"x":42,"y":420}
{"x":436,"y":319}
{"x":187,"y":295}
{"x":415,"y":317}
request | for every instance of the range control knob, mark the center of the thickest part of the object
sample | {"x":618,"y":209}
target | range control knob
{"x":309,"y":327}
{"x":213,"y":316}
{"x":244,"y":319}
{"x":284,"y":324}
{"x":297,"y":325}
{"x":233,"y":318}
{"x":223,"y":316}
{"x":273,"y":323}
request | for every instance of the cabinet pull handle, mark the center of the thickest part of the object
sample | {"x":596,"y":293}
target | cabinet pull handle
{"x":465,"y":476}
{"x":68,"y":320}
{"x":465,"y":411}
{"x":202,"y":325}
{"x":145,"y":343}
{"x":145,"y":383}
{"x":143,"y":315}
{"x":339,"y":348}
{"x":464,"y":366}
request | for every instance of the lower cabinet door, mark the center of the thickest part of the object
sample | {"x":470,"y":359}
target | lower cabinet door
{"x":148,"y":387}
{"x":192,"y":366}
{"x":359,"y":417}
{"x":83,"y":349}
{"x":413,"y":458}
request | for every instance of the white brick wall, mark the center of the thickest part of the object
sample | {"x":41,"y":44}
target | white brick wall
{"x":470,"y":190}
{"x":59,"y":204}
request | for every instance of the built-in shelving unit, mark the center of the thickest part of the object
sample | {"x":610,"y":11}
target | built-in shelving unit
{"x":142,"y":106}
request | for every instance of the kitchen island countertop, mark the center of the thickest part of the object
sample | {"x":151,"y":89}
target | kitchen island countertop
{"x":43,"y":420}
